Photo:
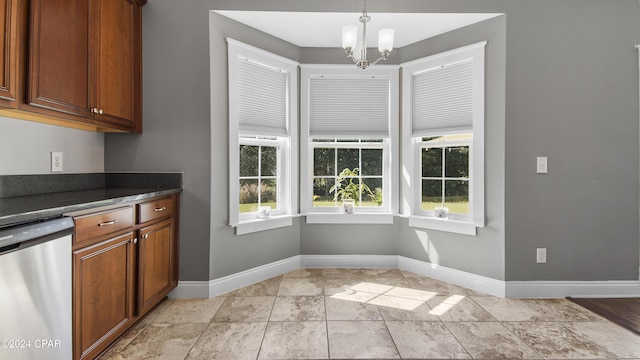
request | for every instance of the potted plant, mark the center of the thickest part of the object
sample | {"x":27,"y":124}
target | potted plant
{"x":348,"y":191}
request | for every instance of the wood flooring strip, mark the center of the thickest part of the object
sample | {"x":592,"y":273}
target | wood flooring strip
{"x":622,"y":311}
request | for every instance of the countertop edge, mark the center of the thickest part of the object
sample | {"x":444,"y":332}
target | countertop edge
{"x":76,"y":209}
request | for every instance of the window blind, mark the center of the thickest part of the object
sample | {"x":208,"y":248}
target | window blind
{"x":442,"y":98}
{"x":262,"y":99}
{"x":347,"y":106}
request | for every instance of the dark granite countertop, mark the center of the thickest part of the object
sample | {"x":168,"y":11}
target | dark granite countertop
{"x":22,"y":207}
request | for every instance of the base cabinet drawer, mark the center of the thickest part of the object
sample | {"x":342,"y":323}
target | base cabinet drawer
{"x":103,"y":223}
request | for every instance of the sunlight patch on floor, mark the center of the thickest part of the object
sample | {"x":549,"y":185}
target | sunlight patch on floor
{"x":396,"y":297}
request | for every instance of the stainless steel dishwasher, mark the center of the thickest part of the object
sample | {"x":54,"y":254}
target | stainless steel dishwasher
{"x":35,"y":291}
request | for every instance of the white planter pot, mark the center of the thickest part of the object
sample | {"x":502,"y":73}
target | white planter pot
{"x":348,"y":206}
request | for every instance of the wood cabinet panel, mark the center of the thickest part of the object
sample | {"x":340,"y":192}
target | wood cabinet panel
{"x":116,"y":57}
{"x":59,"y":56}
{"x":103,"y":293}
{"x":72,"y":63}
{"x":156,"y":261}
{"x":102,"y":223}
{"x":156,"y":209}
{"x":8,"y":52}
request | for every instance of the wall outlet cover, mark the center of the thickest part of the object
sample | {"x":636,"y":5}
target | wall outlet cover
{"x":57,"y":161}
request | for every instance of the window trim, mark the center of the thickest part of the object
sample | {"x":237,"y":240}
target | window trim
{"x":332,"y":215}
{"x":289,"y":168}
{"x":411,"y":184}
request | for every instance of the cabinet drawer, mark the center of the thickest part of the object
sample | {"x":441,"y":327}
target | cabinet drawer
{"x":102,"y":223}
{"x":155,"y":209}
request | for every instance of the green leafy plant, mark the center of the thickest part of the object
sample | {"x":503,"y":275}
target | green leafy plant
{"x":345,"y":187}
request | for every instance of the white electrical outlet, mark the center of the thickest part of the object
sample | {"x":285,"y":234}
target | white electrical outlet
{"x":541,"y":255}
{"x":541,"y":165}
{"x":57,"y":161}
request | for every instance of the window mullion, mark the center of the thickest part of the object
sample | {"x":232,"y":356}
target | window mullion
{"x":259,"y":176}
{"x":444,"y":177}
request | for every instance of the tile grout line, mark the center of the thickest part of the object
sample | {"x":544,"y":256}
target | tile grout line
{"x":264,"y":335}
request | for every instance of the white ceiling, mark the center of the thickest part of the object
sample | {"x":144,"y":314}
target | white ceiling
{"x":307,"y":29}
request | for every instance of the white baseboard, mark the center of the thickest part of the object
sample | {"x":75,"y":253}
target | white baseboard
{"x":208,"y":289}
{"x":510,"y":289}
{"x":462,"y":278}
{"x":561,"y":289}
{"x":349,"y":261}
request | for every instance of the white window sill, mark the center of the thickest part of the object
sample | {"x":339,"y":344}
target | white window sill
{"x":256,"y":225}
{"x":448,"y":225}
{"x":368,"y":218}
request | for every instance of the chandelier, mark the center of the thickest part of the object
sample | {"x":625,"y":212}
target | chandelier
{"x":350,"y":41}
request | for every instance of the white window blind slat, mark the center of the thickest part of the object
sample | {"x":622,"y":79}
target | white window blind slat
{"x":442,"y":98}
{"x":349,"y":106}
{"x":262,"y":99}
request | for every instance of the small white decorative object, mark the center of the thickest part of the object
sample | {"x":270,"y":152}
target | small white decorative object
{"x":347,"y":206}
{"x":441,"y":212}
{"x":264,"y":212}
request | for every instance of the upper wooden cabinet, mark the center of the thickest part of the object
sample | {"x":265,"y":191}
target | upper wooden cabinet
{"x":8,"y":52}
{"x":85,"y":60}
{"x":76,"y":63}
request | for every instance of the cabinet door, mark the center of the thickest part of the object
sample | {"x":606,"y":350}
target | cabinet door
{"x":156,"y":263}
{"x":8,"y":52}
{"x":116,"y":58}
{"x":103,"y":296}
{"x":59,"y":53}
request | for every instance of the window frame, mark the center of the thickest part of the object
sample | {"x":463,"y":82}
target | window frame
{"x":391,"y":157}
{"x":383,"y":145}
{"x":421,"y":144}
{"x":279,"y":143}
{"x":412,"y":175}
{"x":288,"y":159}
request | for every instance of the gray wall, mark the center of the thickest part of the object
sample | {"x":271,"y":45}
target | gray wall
{"x":177,"y":127}
{"x":25,"y":148}
{"x":229,"y":253}
{"x":570,"y":93}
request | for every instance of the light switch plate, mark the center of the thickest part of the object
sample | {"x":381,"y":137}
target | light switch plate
{"x":541,"y":165}
{"x":57,"y":161}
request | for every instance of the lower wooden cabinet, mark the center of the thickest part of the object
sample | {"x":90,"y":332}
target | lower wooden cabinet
{"x":125,"y":261}
{"x":156,"y":261}
{"x":103,"y":293}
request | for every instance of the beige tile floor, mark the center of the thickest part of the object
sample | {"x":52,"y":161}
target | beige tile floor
{"x":370,"y":314}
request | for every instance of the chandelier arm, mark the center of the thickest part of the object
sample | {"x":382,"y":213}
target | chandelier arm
{"x":383,"y":56}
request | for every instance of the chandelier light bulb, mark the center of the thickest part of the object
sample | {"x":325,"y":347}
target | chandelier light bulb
{"x":385,"y":40}
{"x":349,"y":36}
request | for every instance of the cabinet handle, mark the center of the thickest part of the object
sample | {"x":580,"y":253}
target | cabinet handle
{"x":145,"y":236}
{"x":108,"y":222}
{"x":135,"y":240}
{"x":94,"y":110}
{"x":100,"y":111}
{"x":160,"y":209}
